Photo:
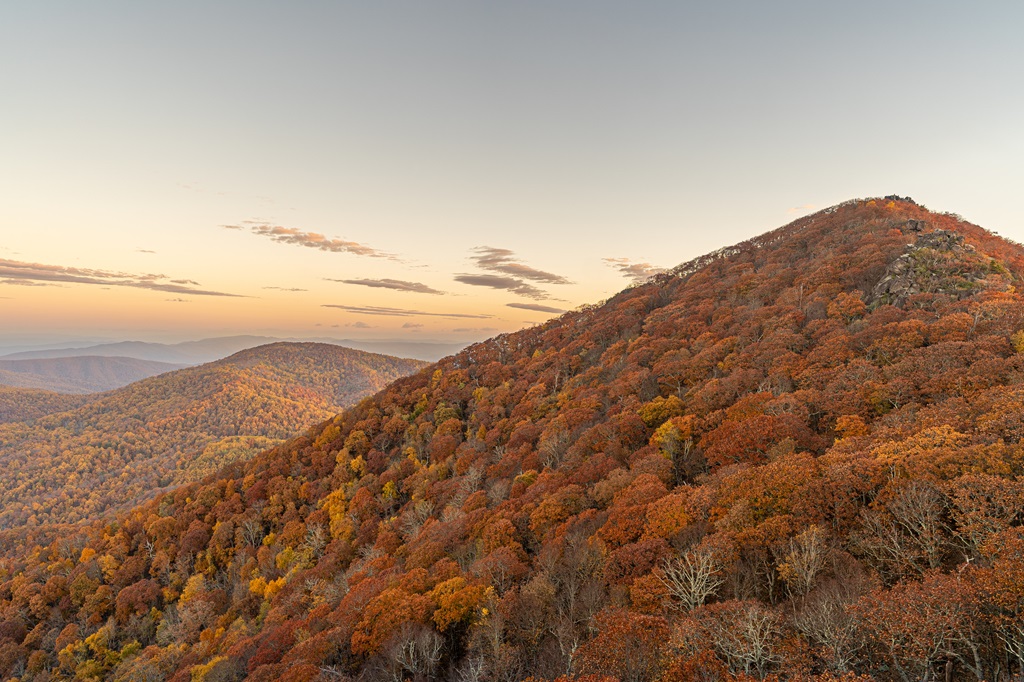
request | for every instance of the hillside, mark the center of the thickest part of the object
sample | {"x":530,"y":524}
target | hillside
{"x":118,"y":447}
{"x":85,"y":374}
{"x":23,"y":404}
{"x":796,"y":458}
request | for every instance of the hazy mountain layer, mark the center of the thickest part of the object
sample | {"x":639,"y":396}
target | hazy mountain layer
{"x":85,"y":374}
{"x":209,"y":350}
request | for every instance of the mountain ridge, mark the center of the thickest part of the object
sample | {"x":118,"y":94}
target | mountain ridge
{"x":81,"y":374}
{"x":176,"y":427}
{"x":216,"y":348}
{"x":751,"y":468}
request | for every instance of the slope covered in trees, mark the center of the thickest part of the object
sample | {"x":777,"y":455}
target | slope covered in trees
{"x":116,"y":448}
{"x":22,"y":404}
{"x":798,"y":457}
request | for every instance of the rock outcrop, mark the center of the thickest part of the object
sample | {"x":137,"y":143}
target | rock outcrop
{"x":938,"y":262}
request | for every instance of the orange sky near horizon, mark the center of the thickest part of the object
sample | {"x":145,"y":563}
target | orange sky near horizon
{"x":448,"y":171}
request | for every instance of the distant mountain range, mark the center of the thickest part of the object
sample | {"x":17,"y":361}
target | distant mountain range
{"x":208,"y":350}
{"x":69,"y":458}
{"x":82,"y":374}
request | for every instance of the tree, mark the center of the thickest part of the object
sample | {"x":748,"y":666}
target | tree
{"x":691,"y":577}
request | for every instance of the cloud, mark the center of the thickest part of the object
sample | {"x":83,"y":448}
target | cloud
{"x":185,"y":281}
{"x":27,"y":283}
{"x":535,"y":307}
{"x":801,"y":209}
{"x":473,"y":329}
{"x":637,"y":272}
{"x":512,"y":275}
{"x":503,"y":261}
{"x":37,"y":273}
{"x":359,"y":325}
{"x":393,"y":284}
{"x":176,"y":300}
{"x":144,"y":251}
{"x":412,"y":325}
{"x":400,"y":312}
{"x":286,"y":288}
{"x":516,"y":286}
{"x":310,"y":240}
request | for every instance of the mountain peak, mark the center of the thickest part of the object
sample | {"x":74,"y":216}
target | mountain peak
{"x":825,"y":419}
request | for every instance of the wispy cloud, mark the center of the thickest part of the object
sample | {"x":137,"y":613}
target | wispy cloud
{"x":27,"y":283}
{"x":393,"y":284}
{"x":516,"y":286}
{"x":463,"y":330}
{"x":511,"y":274}
{"x":504,"y":261}
{"x":536,"y":307}
{"x":38,"y":273}
{"x":359,"y":325}
{"x":286,"y":288}
{"x":637,"y":272}
{"x":310,"y":240}
{"x":400,"y":312}
{"x":144,"y":251}
{"x":177,"y":300}
{"x":412,"y":325}
{"x":801,"y":209}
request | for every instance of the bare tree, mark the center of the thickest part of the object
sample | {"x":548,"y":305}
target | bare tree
{"x":805,"y":560}
{"x":909,"y":536}
{"x":414,"y":652}
{"x":252,"y":532}
{"x":691,"y":577}
{"x":746,"y":637}
{"x":316,"y":539}
{"x":828,"y":622}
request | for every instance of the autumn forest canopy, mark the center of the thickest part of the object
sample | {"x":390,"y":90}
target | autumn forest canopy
{"x":796,"y":458}
{"x":73,"y":458}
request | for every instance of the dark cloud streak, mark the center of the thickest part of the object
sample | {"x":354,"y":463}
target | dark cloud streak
{"x":536,"y":307}
{"x":393,"y":284}
{"x":638,"y":272}
{"x":503,"y":261}
{"x":400,"y":312}
{"x":38,"y":274}
{"x":516,"y":286}
{"x":310,"y":240}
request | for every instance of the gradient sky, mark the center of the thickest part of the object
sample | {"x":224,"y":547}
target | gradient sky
{"x":409,"y":169}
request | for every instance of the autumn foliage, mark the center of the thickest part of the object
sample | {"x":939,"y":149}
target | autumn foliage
{"x":798,"y":458}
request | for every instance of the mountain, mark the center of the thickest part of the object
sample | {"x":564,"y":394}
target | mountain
{"x":185,"y":353}
{"x":117,"y":448}
{"x":798,"y":458}
{"x":208,"y":350}
{"x":84,"y":374}
{"x":24,"y":404}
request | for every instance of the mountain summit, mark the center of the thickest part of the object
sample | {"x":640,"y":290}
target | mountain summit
{"x":797,"y":456}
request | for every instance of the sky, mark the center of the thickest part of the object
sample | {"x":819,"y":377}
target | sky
{"x":452,"y":170}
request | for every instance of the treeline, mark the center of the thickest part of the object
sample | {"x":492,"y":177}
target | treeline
{"x":758,"y":470}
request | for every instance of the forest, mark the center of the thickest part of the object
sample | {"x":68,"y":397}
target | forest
{"x":797,"y":458}
{"x":73,"y":458}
